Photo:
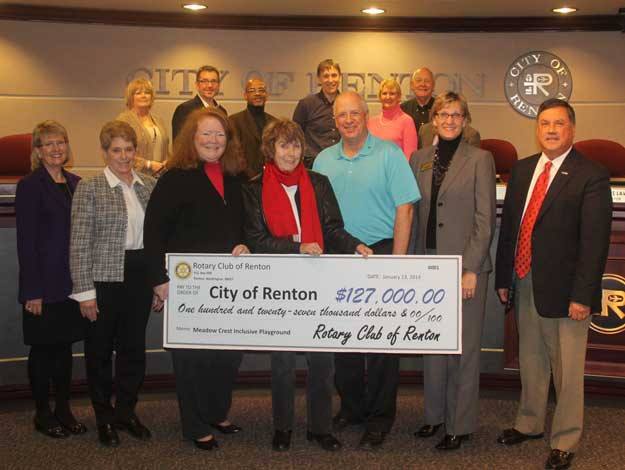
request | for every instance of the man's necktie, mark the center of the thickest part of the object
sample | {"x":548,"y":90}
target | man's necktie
{"x":523,"y":259}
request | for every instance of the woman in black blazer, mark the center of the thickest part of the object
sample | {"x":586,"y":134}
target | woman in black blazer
{"x":196,"y":207}
{"x":51,"y":321}
{"x":292,"y":210}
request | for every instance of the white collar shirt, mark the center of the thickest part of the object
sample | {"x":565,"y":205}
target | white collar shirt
{"x":556,"y":164}
{"x":206,"y":104}
{"x":134,"y":210}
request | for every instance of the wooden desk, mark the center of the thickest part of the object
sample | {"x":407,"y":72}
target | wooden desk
{"x":605,"y":355}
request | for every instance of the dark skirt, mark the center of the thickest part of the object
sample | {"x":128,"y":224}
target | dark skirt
{"x":59,"y":322}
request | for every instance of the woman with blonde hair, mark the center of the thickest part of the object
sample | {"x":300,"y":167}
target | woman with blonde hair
{"x":152,"y":139}
{"x":51,"y":320}
{"x":392,"y":123}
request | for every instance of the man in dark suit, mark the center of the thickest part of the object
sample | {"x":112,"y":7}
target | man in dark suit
{"x":248,"y":124}
{"x":207,"y":81}
{"x":552,"y":250}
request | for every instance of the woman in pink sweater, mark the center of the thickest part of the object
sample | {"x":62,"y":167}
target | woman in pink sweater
{"x":393,"y":124}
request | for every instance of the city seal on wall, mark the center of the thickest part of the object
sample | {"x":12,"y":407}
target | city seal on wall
{"x":535,"y":77}
{"x":611,"y":320}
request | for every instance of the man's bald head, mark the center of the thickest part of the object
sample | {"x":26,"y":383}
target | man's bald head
{"x":255,"y":92}
{"x":422,"y":84}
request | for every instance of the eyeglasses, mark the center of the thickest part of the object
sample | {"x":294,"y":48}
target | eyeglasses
{"x":206,"y":81}
{"x":453,"y":116}
{"x":53,"y":143}
{"x":253,"y":91}
{"x":351,"y":115}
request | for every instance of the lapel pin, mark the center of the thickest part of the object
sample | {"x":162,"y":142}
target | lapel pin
{"x":565,"y":172}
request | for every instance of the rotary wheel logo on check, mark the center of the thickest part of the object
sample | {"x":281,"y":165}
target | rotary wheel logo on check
{"x":183,"y":270}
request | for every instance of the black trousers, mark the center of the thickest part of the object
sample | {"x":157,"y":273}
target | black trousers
{"x":204,"y":381}
{"x":50,"y":364}
{"x":373,"y":402}
{"x":124,"y":309}
{"x":318,"y":390}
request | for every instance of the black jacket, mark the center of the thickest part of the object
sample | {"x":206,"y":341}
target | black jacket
{"x":186,"y":214}
{"x":257,"y":235}
{"x":183,"y":110}
{"x":570,"y":239}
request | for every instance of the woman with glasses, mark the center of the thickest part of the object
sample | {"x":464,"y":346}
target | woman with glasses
{"x":428,"y":135}
{"x":152,"y":139}
{"x":51,"y":320}
{"x":456,"y":216}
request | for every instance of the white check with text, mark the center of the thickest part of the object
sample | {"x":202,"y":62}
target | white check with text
{"x":391,"y":304}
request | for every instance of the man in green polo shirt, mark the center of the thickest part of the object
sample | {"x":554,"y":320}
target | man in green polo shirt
{"x":376,"y":191}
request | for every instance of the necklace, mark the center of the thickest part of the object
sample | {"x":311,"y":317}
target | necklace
{"x":439,"y":171}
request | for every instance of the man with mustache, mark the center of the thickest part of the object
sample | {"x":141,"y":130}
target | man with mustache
{"x":552,"y":250}
{"x":248,"y":124}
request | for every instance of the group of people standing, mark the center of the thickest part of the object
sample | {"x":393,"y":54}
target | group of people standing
{"x":332,"y":180}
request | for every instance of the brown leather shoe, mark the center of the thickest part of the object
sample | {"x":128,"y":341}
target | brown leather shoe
{"x":511,"y":437}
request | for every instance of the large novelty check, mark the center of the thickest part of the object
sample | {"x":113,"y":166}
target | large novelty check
{"x":391,"y":304}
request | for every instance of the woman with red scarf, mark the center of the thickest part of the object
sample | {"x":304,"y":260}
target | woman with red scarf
{"x":293,"y":210}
